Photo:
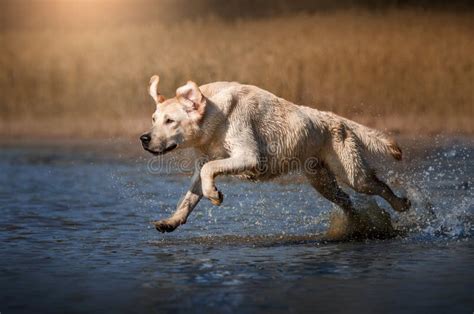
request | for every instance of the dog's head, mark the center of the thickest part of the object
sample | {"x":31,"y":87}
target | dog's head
{"x":175,"y":120}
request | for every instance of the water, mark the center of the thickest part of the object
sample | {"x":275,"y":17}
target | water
{"x":76,"y":236}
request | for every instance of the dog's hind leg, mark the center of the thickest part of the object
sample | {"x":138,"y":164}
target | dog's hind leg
{"x":374,"y":186}
{"x":324,"y":181}
{"x":351,"y":167}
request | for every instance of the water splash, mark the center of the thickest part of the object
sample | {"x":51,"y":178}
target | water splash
{"x":368,"y":222}
{"x":430,"y":215}
{"x":451,"y":218}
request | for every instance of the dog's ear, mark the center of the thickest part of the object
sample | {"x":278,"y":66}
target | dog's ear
{"x":191,"y":97}
{"x":153,"y":89}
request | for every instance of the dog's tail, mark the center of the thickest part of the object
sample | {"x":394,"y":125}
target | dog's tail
{"x":372,"y":141}
{"x":375,"y":142}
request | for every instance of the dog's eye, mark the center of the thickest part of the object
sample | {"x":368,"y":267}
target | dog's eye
{"x":169,"y":121}
{"x":153,"y":119}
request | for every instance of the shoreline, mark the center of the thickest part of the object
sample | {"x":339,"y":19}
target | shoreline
{"x":411,"y":142}
{"x":90,"y":128}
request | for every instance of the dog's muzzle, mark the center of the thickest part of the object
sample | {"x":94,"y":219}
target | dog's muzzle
{"x":164,"y":151}
{"x":146,"y":139}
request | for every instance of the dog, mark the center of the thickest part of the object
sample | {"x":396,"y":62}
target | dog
{"x":249,"y":132}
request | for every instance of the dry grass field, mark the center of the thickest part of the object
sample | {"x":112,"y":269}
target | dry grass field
{"x":398,"y":70}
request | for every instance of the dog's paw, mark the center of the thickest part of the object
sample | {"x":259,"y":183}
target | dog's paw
{"x":217,"y":200}
{"x":405,"y":205}
{"x":166,"y":225}
{"x":215,"y":196}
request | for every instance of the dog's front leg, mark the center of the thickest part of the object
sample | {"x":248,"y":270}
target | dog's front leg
{"x":232,"y":165}
{"x":185,"y":205}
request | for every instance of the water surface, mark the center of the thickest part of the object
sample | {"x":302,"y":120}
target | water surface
{"x":76,"y":236}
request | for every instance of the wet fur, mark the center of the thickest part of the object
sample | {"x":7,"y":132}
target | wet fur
{"x":249,"y":132}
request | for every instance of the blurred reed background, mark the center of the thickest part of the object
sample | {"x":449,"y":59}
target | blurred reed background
{"x":81,"y":68}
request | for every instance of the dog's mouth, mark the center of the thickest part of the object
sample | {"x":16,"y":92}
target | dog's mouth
{"x":166,"y":150}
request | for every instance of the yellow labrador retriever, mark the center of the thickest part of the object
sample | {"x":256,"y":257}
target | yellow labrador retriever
{"x":246,"y":131}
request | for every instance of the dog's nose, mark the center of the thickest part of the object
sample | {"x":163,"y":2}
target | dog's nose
{"x":145,"y":138}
